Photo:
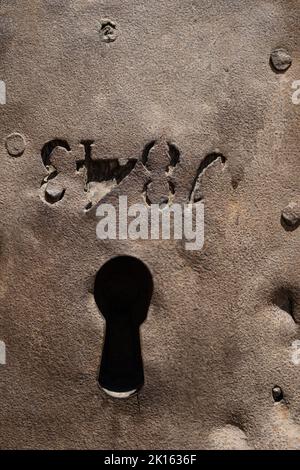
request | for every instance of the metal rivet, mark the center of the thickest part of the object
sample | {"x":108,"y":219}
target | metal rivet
{"x":280,"y":59}
{"x":290,"y":216}
{"x":15,"y":144}
{"x":277,"y":394}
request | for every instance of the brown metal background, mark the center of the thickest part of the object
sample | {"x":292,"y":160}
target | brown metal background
{"x":218,"y":336}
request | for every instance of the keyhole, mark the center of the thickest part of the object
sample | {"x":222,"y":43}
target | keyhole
{"x":123,"y":290}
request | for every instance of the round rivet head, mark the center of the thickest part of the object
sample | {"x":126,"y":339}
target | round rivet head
{"x":280,"y":59}
{"x":15,"y":144}
{"x":277,"y":394}
{"x":290,"y":216}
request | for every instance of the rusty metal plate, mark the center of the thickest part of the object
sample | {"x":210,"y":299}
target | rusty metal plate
{"x":186,"y":101}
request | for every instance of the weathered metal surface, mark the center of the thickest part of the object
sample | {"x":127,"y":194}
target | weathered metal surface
{"x":221,"y":333}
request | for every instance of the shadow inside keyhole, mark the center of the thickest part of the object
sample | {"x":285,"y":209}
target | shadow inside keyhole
{"x":123,"y":289}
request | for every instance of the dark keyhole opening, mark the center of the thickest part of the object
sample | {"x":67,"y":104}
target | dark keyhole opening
{"x":123,"y":290}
